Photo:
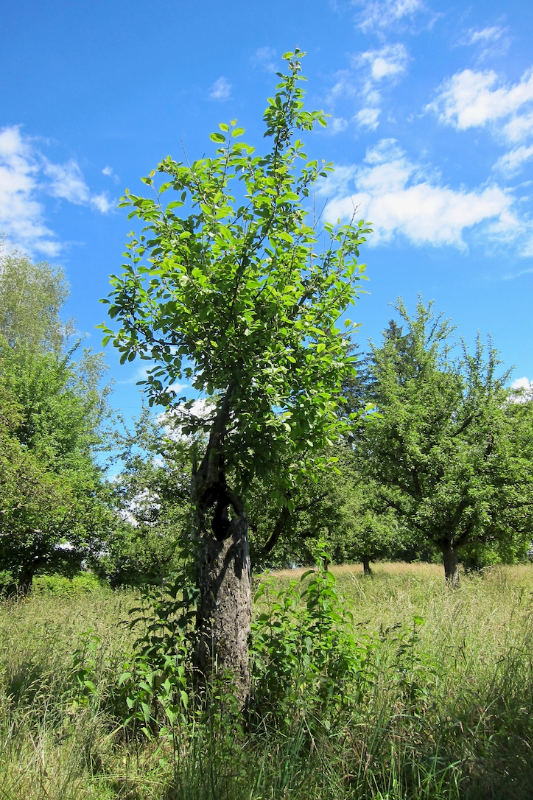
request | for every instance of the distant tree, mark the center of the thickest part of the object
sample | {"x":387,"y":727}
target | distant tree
{"x":338,"y":506}
{"x":449,"y":448}
{"x":151,"y":495}
{"x":53,"y":497}
{"x":237,"y":297}
{"x":31,"y":297}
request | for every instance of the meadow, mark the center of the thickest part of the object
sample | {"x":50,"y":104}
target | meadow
{"x":440,"y":704}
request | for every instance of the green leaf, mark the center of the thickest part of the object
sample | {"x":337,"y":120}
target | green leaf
{"x":217,"y":137}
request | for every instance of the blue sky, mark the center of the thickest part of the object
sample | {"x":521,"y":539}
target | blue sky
{"x":431,"y":131}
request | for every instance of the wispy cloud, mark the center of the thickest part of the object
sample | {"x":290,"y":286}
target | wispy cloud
{"x":338,"y":125}
{"x":518,"y":274}
{"x":369,"y":73}
{"x":472,"y":99}
{"x":401,"y":200}
{"x":512,"y":162}
{"x":265,"y":58}
{"x":25,"y":176}
{"x":110,"y":173}
{"x":220,"y":90}
{"x":379,"y":16}
{"x":494,"y":40}
{"x":68,"y":183}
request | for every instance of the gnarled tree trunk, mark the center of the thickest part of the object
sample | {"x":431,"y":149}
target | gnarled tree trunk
{"x":366,"y":566}
{"x":450,"y":558}
{"x":224,"y":613}
{"x":225,"y":609}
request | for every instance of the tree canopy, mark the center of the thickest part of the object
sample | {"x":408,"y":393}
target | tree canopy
{"x":234,"y":288}
{"x":445,"y":444}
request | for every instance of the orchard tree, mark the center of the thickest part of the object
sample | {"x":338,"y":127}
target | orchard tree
{"x":447,"y":446}
{"x":151,"y":496}
{"x":53,"y":497}
{"x":241,"y":295}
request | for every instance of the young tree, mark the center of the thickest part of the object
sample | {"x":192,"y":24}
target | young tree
{"x":445,"y":445}
{"x":237,"y":297}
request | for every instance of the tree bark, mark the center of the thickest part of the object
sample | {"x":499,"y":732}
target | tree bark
{"x":366,"y":566}
{"x":224,"y":613}
{"x":223,"y":574}
{"x":24,"y":582}
{"x":450,"y":557}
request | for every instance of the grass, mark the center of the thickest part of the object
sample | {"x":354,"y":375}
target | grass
{"x":449,"y":714}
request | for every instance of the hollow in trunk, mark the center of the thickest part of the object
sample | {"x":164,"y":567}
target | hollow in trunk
{"x":224,"y":612}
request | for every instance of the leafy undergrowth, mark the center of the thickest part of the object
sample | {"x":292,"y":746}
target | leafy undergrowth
{"x":391,"y":687}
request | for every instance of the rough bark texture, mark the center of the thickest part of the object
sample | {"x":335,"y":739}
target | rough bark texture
{"x":225,"y":609}
{"x":366,"y":566}
{"x":450,"y":557}
{"x":224,"y":613}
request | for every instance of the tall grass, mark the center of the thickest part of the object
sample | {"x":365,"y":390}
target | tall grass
{"x":447,"y":712}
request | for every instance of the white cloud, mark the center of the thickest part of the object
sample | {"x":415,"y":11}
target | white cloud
{"x":338,"y":125}
{"x":21,"y":213}
{"x":264,"y":58}
{"x":485,"y":35}
{"x":379,"y":15}
{"x":397,"y":197}
{"x":107,"y":171}
{"x":472,"y":99}
{"x":370,"y":70}
{"x":220,"y":90}
{"x":25,"y":175}
{"x":68,"y":183}
{"x":519,"y":128}
{"x":490,"y":42}
{"x":511,"y":163}
{"x":368,"y":118}
{"x":388,"y":62}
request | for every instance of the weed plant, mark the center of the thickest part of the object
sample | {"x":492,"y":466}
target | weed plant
{"x":364,"y":688}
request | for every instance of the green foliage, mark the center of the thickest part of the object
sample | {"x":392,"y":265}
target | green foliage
{"x":155,"y":682}
{"x":447,"y":448}
{"x":31,"y":296}
{"x":304,"y":652}
{"x":238,"y":298}
{"x":151,"y":496}
{"x":53,"y":498}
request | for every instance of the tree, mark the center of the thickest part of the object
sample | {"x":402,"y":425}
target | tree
{"x":31,"y":296}
{"x":151,"y":495}
{"x":237,"y":298}
{"x":53,"y":497}
{"x":445,"y":446}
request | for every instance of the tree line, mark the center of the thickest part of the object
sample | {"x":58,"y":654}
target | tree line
{"x":414,"y":448}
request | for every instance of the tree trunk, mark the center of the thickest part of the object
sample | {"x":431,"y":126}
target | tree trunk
{"x":224,"y":613}
{"x":450,"y":557}
{"x":366,"y":566}
{"x":24,"y":582}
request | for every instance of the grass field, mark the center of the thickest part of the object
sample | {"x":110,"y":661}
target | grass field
{"x":447,"y":711}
